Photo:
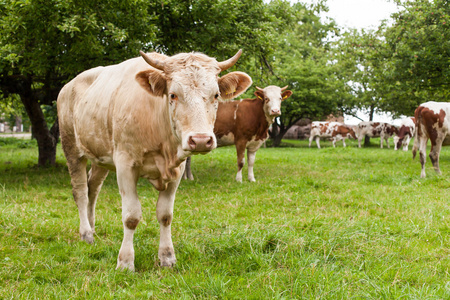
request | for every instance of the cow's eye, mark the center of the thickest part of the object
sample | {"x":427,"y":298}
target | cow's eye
{"x":216,"y":96}
{"x":173,"y":97}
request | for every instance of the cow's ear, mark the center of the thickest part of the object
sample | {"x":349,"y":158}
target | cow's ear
{"x":286,"y":94}
{"x":259,"y":95}
{"x":152,"y":81}
{"x":234,"y":84}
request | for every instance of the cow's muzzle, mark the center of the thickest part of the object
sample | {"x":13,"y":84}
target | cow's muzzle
{"x":201,"y":143}
{"x":275,"y":112}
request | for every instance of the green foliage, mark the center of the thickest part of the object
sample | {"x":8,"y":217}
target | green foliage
{"x":335,"y":223}
{"x":417,"y":56}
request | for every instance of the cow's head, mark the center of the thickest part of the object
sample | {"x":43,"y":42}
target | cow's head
{"x":351,"y":133}
{"x":191,"y":85}
{"x":272,"y":97}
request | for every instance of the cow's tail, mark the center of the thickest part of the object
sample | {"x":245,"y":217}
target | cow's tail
{"x":418,"y":121}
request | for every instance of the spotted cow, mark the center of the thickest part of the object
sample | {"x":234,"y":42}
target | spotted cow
{"x":432,"y":122}
{"x":375,"y":129}
{"x":141,"y":118}
{"x":334,"y":130}
{"x":405,"y":133}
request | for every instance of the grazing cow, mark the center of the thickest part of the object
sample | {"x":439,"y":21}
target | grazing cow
{"x":334,"y":130}
{"x":405,"y":133}
{"x":245,"y":124}
{"x":375,"y":129}
{"x":432,"y":122}
{"x":141,"y":118}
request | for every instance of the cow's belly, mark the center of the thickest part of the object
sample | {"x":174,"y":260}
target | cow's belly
{"x":226,"y":140}
{"x":254,"y":145}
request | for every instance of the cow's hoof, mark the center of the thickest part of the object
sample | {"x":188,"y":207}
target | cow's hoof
{"x":88,"y":237}
{"x":167,"y":257}
{"x":168,"y":262}
{"x":125,"y":265}
{"x":252,"y":180}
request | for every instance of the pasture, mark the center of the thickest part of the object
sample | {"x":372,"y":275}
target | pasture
{"x":328,"y":223}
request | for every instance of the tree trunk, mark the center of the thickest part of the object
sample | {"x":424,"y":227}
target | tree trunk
{"x":277,"y":140}
{"x":46,"y":139}
{"x":366,"y":138}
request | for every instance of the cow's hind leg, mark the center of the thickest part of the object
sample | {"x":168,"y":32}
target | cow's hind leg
{"x":164,"y":214}
{"x":77,"y":170}
{"x":187,"y":171}
{"x":318,"y":141}
{"x":96,"y":176}
{"x":251,"y":156}
{"x":434,"y":154}
{"x":422,"y":154}
{"x":127,"y":179}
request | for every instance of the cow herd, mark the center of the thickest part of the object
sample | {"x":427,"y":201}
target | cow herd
{"x":431,"y":121}
{"x":146,"y":116}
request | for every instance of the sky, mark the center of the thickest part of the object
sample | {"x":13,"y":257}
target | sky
{"x":360,"y":14}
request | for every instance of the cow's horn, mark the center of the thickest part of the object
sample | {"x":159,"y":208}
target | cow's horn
{"x":223,"y":65}
{"x":153,"y":62}
{"x":283,"y":88}
{"x":259,"y":89}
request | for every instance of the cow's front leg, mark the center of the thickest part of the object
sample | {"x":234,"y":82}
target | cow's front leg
{"x":164,"y":214}
{"x":360,"y":138}
{"x":240,"y":151}
{"x":127,"y":178}
{"x":251,"y":155}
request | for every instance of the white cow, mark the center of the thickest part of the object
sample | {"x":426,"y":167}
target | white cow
{"x":375,"y":129}
{"x":405,"y":133}
{"x":334,"y":130}
{"x":141,"y":118}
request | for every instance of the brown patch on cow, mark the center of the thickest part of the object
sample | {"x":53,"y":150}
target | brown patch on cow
{"x":245,"y":119}
{"x":131,"y":223}
{"x":323,"y":127}
{"x":166,"y":220}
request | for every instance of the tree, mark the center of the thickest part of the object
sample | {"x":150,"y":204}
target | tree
{"x":417,"y":56}
{"x":43,"y":44}
{"x":303,"y":61}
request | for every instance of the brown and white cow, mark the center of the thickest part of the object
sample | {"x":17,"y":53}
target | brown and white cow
{"x":141,"y":118}
{"x":375,"y":129}
{"x":245,"y":124}
{"x":334,"y":130}
{"x":432,"y":122}
{"x":405,"y":133}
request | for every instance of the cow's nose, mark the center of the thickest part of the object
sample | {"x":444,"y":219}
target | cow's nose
{"x":275,"y":112}
{"x":201,"y":143}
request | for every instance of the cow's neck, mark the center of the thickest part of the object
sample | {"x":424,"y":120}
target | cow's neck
{"x":264,"y":120}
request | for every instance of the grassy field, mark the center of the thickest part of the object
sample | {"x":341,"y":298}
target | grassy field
{"x":318,"y":224}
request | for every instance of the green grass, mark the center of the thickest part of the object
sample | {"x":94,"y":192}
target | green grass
{"x":328,"y":223}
